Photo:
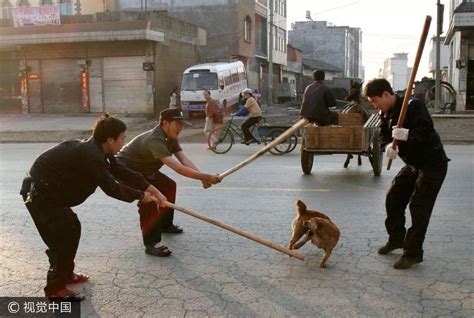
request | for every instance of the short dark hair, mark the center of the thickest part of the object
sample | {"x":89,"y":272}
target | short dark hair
{"x":207,"y":91}
{"x":107,"y":127}
{"x":376,"y":87}
{"x":319,"y":75}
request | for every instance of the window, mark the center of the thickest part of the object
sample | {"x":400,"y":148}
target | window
{"x":46,"y":2}
{"x":241,"y":73}
{"x":23,"y":3}
{"x":227,"y":78}
{"x":6,"y":12}
{"x":248,"y":29}
{"x":235,"y":76}
{"x":199,"y":81}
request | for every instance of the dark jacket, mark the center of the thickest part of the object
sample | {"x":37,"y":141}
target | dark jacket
{"x":423,"y":146}
{"x":317,"y":99}
{"x":71,"y":171}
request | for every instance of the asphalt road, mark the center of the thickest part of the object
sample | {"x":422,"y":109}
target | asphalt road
{"x":213,"y":272}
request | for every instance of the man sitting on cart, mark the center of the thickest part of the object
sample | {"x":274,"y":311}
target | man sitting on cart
{"x":317,"y":99}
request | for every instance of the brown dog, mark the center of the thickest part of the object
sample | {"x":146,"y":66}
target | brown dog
{"x":318,"y":228}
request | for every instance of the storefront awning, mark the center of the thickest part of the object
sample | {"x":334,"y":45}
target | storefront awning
{"x":79,"y":32}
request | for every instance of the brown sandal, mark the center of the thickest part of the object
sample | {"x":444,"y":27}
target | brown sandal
{"x":77,"y":278}
{"x":161,"y":251}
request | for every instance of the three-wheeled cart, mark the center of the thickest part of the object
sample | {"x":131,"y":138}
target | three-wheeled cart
{"x":351,"y":136}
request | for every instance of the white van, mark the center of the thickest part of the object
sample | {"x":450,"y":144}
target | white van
{"x":225,"y":81}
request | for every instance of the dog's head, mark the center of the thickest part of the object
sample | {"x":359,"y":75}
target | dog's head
{"x":300,"y":207}
{"x":312,"y":224}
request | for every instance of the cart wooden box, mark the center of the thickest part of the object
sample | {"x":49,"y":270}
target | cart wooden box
{"x":334,"y":137}
{"x":351,"y":136}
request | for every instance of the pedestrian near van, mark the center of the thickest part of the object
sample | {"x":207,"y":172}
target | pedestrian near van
{"x":418,"y":183}
{"x":255,"y":114}
{"x":146,"y":154}
{"x":174,"y":93}
{"x":214,"y":117}
{"x":317,"y":99}
{"x":65,"y":176}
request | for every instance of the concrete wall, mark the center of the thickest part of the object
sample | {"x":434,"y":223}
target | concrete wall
{"x":339,"y":46}
{"x":222,"y":19}
{"x":171,"y":59}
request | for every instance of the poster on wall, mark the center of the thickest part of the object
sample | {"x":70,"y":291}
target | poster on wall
{"x":42,"y":15}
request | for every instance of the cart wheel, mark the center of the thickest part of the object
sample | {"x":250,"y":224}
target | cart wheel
{"x":306,"y":161}
{"x":376,"y":157}
{"x":282,"y":148}
{"x":224,"y":140}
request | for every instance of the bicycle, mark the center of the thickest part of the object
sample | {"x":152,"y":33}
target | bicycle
{"x":262,"y":132}
{"x":448,"y":95}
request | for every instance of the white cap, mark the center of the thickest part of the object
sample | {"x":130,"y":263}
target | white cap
{"x":247,"y":90}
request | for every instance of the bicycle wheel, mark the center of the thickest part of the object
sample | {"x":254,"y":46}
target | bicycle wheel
{"x":448,"y":98}
{"x":294,"y":142}
{"x":279,"y":149}
{"x":224,"y":139}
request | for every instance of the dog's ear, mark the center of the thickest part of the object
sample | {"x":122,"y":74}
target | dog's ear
{"x":301,"y":206}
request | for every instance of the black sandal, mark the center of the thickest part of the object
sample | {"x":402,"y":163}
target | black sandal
{"x":161,"y":251}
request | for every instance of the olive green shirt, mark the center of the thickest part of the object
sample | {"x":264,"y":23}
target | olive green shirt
{"x":144,"y":152}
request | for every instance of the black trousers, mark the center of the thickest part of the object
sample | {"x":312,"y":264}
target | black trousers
{"x":246,"y":127}
{"x":60,"y":230}
{"x":418,"y":189}
{"x":332,"y":119}
{"x":152,"y":218}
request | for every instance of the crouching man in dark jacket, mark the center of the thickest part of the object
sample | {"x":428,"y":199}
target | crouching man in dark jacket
{"x":65,"y":176}
{"x":419,"y":181}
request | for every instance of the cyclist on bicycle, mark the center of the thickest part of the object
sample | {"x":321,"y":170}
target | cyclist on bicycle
{"x":255,"y":112}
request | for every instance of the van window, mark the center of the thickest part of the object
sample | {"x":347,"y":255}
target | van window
{"x":227,"y":78}
{"x":241,"y":74}
{"x":199,"y":81}
{"x":235,"y":76}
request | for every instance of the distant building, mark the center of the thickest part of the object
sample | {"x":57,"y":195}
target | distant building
{"x":236,"y":29}
{"x":460,"y":40}
{"x":291,"y":86}
{"x":121,"y":62}
{"x":396,"y":71}
{"x":340,"y":46}
{"x":310,"y":65}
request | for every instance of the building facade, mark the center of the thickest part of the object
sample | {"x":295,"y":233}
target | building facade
{"x":460,"y":39}
{"x":340,"y":46}
{"x":121,"y":62}
{"x":236,"y":29}
{"x":396,"y":71}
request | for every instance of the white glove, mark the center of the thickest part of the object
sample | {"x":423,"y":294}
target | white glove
{"x":400,"y":133}
{"x":391,"y":153}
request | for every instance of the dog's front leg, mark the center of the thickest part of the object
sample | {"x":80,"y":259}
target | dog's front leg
{"x":302,"y":242}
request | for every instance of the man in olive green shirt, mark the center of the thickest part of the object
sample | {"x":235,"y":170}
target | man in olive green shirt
{"x":146,"y":154}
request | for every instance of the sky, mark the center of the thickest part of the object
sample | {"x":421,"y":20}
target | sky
{"x":388,"y":26}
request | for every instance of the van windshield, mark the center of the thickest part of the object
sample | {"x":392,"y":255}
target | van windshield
{"x":199,"y":81}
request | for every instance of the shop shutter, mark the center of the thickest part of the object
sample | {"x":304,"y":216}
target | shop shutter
{"x":61,"y":86}
{"x":125,"y":85}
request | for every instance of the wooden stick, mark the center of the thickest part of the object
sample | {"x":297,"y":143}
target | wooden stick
{"x":287,"y":134}
{"x":237,"y":231}
{"x":406,"y":99}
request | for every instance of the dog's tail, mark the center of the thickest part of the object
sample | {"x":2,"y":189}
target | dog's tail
{"x":301,"y":207}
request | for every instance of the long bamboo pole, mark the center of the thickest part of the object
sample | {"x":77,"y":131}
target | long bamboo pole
{"x":287,"y":134}
{"x":237,"y":231}
{"x":406,"y":99}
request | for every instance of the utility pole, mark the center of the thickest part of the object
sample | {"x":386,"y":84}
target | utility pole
{"x":270,"y":55}
{"x":439,"y":26}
